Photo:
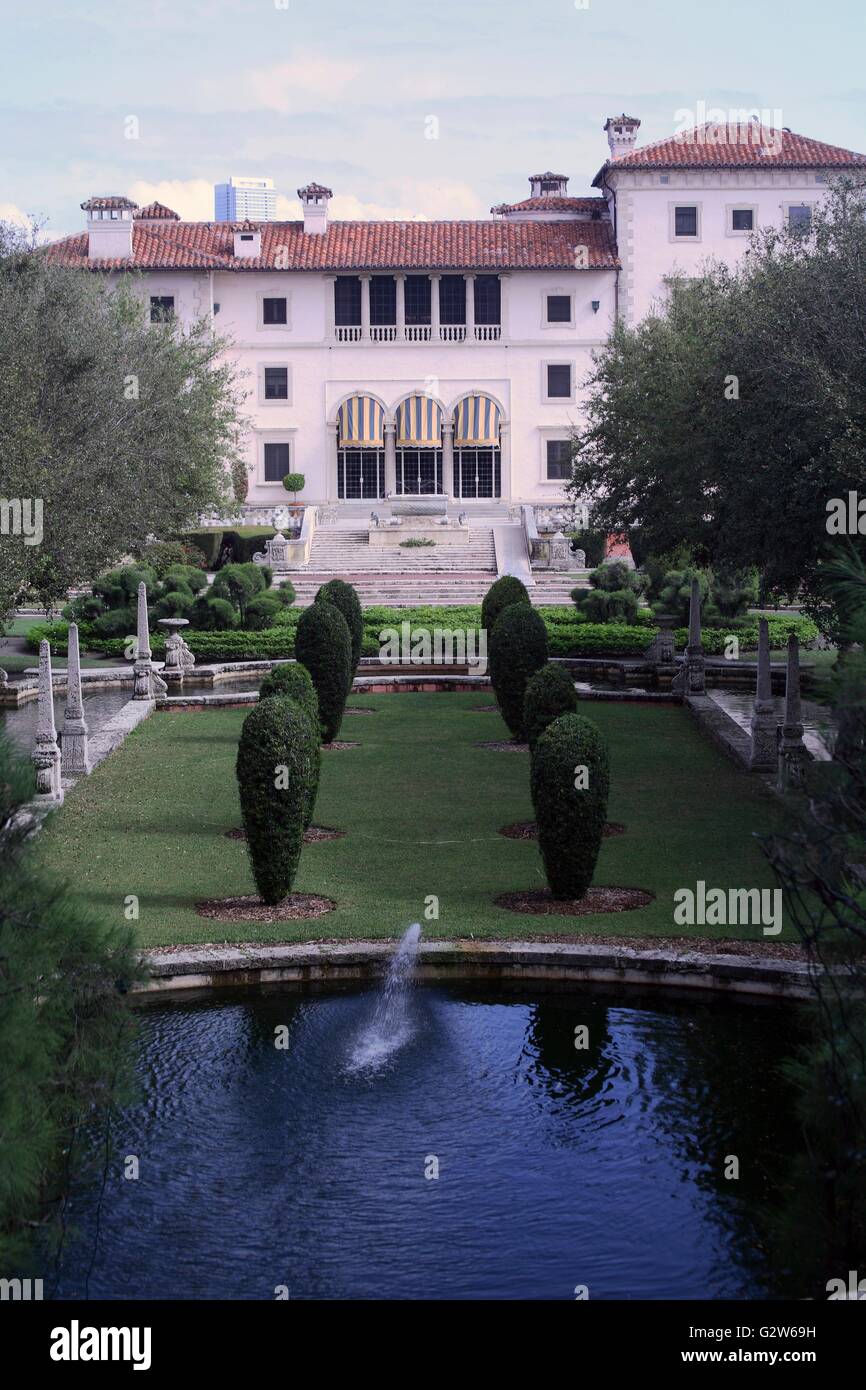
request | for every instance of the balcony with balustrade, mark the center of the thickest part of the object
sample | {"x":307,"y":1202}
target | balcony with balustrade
{"x":404,"y":308}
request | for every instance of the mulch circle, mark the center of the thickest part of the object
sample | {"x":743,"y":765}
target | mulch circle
{"x":528,"y":830}
{"x":539,"y":903}
{"x":250,"y":908}
{"x":313,"y":835}
{"x":503,"y":745}
{"x":337,"y":745}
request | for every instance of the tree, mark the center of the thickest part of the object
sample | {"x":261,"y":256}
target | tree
{"x":549,"y":693}
{"x":518,"y":648}
{"x":277,"y":756}
{"x":344,"y":597}
{"x":119,"y":429}
{"x":570,"y":780}
{"x":504,"y":591}
{"x":292,"y":679}
{"x":729,"y":418}
{"x":323,"y":645}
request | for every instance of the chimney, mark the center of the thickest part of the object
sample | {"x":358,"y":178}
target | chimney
{"x":248,"y":239}
{"x":315,"y":202}
{"x":621,"y":134}
{"x":109,"y":228}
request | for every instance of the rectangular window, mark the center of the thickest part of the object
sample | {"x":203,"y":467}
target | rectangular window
{"x":417,"y":298}
{"x":559,"y":380}
{"x":742,"y":220}
{"x":274,"y":311}
{"x":452,"y":299}
{"x":347,"y":301}
{"x":799,"y":218}
{"x":685,"y":221}
{"x":559,"y":308}
{"x":558,"y":459}
{"x":487,"y":299}
{"x":276,"y":462}
{"x":276,"y":383}
{"x":161,"y":308}
{"x":383,"y":299}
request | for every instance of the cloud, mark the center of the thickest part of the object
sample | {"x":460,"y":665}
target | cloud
{"x":10,"y":212}
{"x":191,"y":198}
{"x":283,"y":87}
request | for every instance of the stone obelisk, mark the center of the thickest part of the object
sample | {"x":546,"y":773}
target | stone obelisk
{"x":74,"y":757}
{"x":764,"y":754}
{"x":695,"y":660}
{"x":46,"y":754}
{"x":793,"y":753}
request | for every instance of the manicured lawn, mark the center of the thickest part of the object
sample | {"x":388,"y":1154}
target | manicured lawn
{"x":422,"y":807}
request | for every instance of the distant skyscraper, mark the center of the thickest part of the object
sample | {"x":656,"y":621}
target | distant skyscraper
{"x":241,"y":198}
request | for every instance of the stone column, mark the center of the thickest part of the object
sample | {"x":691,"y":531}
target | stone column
{"x":435,"y":281}
{"x":74,"y":759}
{"x":46,"y":754}
{"x":506,"y":489}
{"x":470,"y":306}
{"x":331,"y":469}
{"x":147,"y":683}
{"x":793,"y":753}
{"x":365,"y":307}
{"x":400,"y":281}
{"x":504,"y":288}
{"x":695,"y":661}
{"x":448,"y":458}
{"x":390,"y":460}
{"x":764,"y":754}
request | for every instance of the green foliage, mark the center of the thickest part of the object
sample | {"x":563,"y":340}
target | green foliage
{"x":294,"y":482}
{"x":239,"y":584}
{"x":120,"y":622}
{"x":163,"y":556}
{"x":64,"y":1026}
{"x":177,"y":603}
{"x":344,"y":597}
{"x":592,"y":543}
{"x":262,"y":612}
{"x":417,"y":543}
{"x":294,"y":680}
{"x":209,"y":614}
{"x":238,"y":547}
{"x":518,"y":647}
{"x":184,"y":577}
{"x":606,"y":605}
{"x":570,"y":782}
{"x":323,"y":644}
{"x":549,"y":693}
{"x":84,"y":609}
{"x":208,"y":543}
{"x":277,"y":754}
{"x":502,"y":593}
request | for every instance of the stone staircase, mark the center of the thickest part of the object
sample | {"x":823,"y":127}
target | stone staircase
{"x":450,"y":575}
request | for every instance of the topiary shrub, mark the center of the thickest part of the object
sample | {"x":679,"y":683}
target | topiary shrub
{"x":286,"y":593}
{"x":162,"y":556}
{"x":499,"y":596}
{"x":294,"y":680}
{"x":262,"y":612}
{"x":209,"y":614}
{"x":606,"y":605}
{"x":570,"y":779}
{"x":517,"y":649}
{"x":185,"y":577}
{"x":277,"y":753}
{"x":344,"y":597}
{"x":120,"y":622}
{"x":239,"y":584}
{"x":175,"y":604}
{"x":324,"y":646}
{"x":549,"y":693}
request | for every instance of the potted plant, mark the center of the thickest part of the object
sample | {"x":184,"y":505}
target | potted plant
{"x":294,"y":483}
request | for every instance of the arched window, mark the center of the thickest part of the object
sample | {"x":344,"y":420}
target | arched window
{"x":477,"y":452}
{"x":360,"y":449}
{"x":419,"y":447}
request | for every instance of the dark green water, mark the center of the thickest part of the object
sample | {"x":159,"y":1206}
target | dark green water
{"x":310,"y":1168}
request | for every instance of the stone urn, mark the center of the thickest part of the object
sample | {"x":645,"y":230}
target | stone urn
{"x":178,"y":657}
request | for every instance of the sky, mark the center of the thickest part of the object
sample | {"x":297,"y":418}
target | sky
{"x":405,"y":108}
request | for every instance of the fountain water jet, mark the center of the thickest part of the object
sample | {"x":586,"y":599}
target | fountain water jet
{"x":390,"y":1027}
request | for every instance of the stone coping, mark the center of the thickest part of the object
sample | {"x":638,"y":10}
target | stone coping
{"x":559,"y":965}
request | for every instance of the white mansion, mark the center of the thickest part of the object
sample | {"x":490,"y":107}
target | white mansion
{"x":446,"y":357}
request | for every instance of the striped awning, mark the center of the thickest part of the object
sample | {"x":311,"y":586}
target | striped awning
{"x":361,"y":424}
{"x":419,"y":423}
{"x":476,"y":422}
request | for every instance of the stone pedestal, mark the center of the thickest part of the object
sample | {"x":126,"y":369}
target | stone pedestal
{"x":74,"y":759}
{"x":46,"y":754}
{"x":178,"y":657}
{"x":560,"y":552}
{"x":275,"y":554}
{"x":764,"y":725}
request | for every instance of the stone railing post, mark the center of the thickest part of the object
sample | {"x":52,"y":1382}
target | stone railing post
{"x":793,"y":753}
{"x":74,"y":760}
{"x":46,"y":754}
{"x":764,"y":754}
{"x":696,"y":683}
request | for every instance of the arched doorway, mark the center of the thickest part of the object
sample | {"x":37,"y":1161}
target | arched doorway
{"x":360,"y":449}
{"x":419,"y":447}
{"x":477,"y":448}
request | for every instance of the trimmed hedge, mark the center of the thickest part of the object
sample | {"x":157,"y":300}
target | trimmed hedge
{"x":501,"y":594}
{"x":294,"y":680}
{"x":570,"y":816}
{"x":239,"y":585}
{"x":518,"y":647}
{"x":345,"y":599}
{"x":549,"y":693}
{"x":324,"y":646}
{"x":276,"y":757}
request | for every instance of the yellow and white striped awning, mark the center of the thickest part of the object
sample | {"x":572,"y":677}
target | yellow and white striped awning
{"x":476,"y":422}
{"x":419,"y":424}
{"x":361,"y":424}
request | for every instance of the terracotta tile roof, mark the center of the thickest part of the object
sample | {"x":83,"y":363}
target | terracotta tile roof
{"x":552,"y":202}
{"x":158,"y":212}
{"x":741,"y":146}
{"x":353,"y":246}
